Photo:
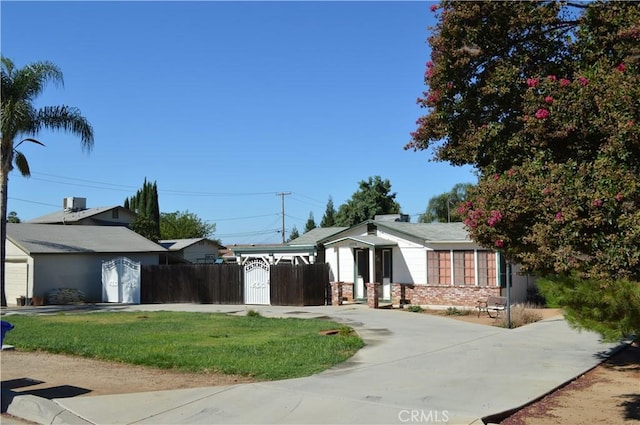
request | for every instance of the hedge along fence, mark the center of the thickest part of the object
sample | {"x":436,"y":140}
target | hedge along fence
{"x":302,"y":284}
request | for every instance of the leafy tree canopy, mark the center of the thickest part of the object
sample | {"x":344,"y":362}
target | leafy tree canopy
{"x":373,"y":197}
{"x":184,"y":225}
{"x":12,"y":217}
{"x":543,"y":98}
{"x":443,"y":208}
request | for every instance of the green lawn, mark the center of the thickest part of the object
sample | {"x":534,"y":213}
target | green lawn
{"x":264,"y":348}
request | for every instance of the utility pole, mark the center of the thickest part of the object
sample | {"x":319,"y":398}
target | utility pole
{"x":282,"y":195}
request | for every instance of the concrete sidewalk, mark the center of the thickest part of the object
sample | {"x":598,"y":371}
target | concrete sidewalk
{"x":415,"y":368}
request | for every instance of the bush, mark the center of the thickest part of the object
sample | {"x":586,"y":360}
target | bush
{"x":253,"y":313}
{"x":455,"y":311}
{"x":415,"y":309}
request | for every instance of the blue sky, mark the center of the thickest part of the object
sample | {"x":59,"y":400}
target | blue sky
{"x":226,"y":104}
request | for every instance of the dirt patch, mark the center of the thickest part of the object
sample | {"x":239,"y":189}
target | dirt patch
{"x":484,"y":319}
{"x":608,"y":394}
{"x":56,"y":376}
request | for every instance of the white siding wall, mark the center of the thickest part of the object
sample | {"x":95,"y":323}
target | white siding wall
{"x":331,"y":258}
{"x":78,"y":271}
{"x":409,"y":265}
{"x":19,"y":273}
{"x":197,"y":252}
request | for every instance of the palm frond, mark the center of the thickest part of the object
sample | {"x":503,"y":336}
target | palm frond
{"x":68,"y":119}
{"x":21,"y":164}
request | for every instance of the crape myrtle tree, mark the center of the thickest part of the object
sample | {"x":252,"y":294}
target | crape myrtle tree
{"x":21,"y":121}
{"x":373,"y":197}
{"x":543,"y":98}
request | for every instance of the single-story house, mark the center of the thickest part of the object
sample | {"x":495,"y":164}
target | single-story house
{"x":74,"y":211}
{"x":195,"y":250}
{"x":302,"y":250}
{"x":43,"y":257}
{"x":418,"y":263}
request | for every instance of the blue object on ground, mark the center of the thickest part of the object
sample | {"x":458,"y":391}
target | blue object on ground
{"x":6,"y":327}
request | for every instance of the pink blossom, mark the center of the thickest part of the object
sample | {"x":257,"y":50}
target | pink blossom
{"x":597,"y":202}
{"x":449,"y":85}
{"x":433,"y":7}
{"x":511,"y":172}
{"x":564,"y":82}
{"x":559,"y":216}
{"x":584,"y":81}
{"x":429,"y":73}
{"x":532,"y":82}
{"x":546,"y":191}
{"x":496,"y":176}
{"x":619,"y":197}
{"x":551,"y":78}
{"x":548,"y":99}
{"x":429,"y":64}
{"x":622,"y":67}
{"x":499,"y":243}
{"x":495,"y":218}
{"x":542,"y":114}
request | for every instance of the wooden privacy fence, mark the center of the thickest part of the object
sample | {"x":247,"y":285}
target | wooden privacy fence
{"x":295,"y":285}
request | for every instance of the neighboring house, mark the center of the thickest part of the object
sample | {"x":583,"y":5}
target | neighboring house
{"x":42,"y":257}
{"x":418,"y":263}
{"x":196,"y":250}
{"x":302,"y":250}
{"x":74,"y":211}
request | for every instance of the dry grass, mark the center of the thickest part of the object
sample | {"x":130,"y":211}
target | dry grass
{"x":520,"y":315}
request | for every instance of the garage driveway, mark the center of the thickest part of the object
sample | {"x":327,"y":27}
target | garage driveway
{"x":415,"y":368}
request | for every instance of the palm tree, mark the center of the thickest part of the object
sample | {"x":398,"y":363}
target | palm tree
{"x":20,"y":119}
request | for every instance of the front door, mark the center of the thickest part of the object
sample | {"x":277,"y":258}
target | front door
{"x":386,"y":274}
{"x":362,"y":273}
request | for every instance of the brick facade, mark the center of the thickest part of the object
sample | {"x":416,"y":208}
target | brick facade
{"x":445,"y":295}
{"x":373,"y":294}
{"x":341,"y":292}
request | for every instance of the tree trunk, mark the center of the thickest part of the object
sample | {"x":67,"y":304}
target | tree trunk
{"x":5,"y":169}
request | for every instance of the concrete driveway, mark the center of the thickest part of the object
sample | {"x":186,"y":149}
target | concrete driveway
{"x":415,"y":368}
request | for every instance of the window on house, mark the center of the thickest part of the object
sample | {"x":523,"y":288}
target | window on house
{"x":439,"y":267}
{"x":464,"y":270}
{"x":486,"y":268}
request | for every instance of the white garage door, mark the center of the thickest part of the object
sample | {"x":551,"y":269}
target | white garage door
{"x":15,"y":281}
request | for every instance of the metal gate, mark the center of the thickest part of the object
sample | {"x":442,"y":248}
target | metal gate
{"x":256,"y":283}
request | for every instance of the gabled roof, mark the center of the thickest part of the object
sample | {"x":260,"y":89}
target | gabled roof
{"x":62,"y":216}
{"x":314,"y":235}
{"x":180,"y":244}
{"x":430,"y":232}
{"x":368,"y":240}
{"x":427,"y":232}
{"x":61,"y":239}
